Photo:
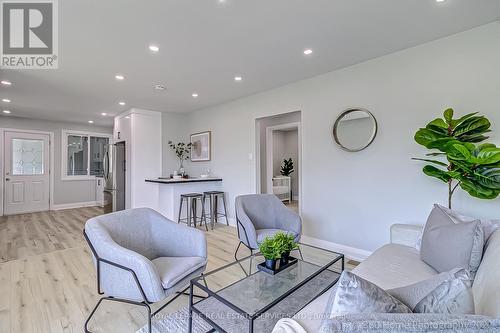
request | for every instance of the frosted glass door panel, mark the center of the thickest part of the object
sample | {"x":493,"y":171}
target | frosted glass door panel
{"x":27,"y":157}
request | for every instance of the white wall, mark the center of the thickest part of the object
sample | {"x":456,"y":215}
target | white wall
{"x":174,"y":128}
{"x":353,"y":198}
{"x":65,"y":192}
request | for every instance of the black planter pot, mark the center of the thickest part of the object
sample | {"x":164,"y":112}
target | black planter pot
{"x":271,"y":264}
{"x":285,"y":258}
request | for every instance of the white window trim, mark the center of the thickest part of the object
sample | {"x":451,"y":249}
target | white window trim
{"x":64,"y":152}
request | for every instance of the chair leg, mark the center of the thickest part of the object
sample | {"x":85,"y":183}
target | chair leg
{"x":251,"y":260}
{"x":188,"y":211}
{"x":236,"y":252}
{"x":212,"y":212}
{"x":195,"y":211}
{"x":180,"y":211}
{"x":216,"y":208}
{"x":112,"y":299}
{"x":203,"y":213}
{"x":225,"y":209}
{"x":300,"y":252}
{"x":92,"y":314}
{"x":170,"y":301}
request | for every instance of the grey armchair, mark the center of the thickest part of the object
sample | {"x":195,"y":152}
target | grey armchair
{"x":262,"y":215}
{"x":141,"y":257}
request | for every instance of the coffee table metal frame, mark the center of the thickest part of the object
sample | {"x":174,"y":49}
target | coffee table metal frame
{"x":251,"y":318}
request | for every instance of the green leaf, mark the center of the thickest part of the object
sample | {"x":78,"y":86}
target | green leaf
{"x":431,"y":161}
{"x":487,"y":177}
{"x":424,"y":137}
{"x":460,"y":120}
{"x":474,"y":138}
{"x":473,"y":125}
{"x":441,"y":144}
{"x":488,"y":155}
{"x":435,"y":154}
{"x":463,"y":151}
{"x":439,"y":123}
{"x":478,"y":191}
{"x":432,"y":171}
{"x":448,"y":116}
{"x":463,"y":166}
{"x":484,"y":146}
{"x":456,"y":150}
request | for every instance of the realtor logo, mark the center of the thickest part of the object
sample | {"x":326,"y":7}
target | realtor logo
{"x":29,"y":34}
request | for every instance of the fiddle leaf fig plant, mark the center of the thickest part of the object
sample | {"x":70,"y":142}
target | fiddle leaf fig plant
{"x":287,"y":167}
{"x":473,"y":168}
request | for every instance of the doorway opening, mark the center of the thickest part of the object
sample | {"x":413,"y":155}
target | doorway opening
{"x":279,"y":158}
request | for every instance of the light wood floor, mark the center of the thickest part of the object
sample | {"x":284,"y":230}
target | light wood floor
{"x":47,"y":280}
{"x":293,"y":205}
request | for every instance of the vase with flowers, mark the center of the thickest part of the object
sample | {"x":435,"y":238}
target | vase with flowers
{"x":182,"y":151}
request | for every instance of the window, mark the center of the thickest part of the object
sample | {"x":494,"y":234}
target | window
{"x":82,"y":154}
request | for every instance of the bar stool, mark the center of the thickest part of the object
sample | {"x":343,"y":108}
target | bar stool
{"x":214,"y":197}
{"x":191,"y":200}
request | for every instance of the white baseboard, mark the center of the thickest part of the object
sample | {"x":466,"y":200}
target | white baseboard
{"x":349,"y":252}
{"x":76,"y":205}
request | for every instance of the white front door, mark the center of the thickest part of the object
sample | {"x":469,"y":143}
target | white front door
{"x":27,"y":179}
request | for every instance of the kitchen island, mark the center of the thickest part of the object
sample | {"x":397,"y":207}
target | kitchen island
{"x":170,"y":191}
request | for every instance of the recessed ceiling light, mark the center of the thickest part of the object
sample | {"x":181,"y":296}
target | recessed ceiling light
{"x":440,"y":0}
{"x":308,"y":51}
{"x":6,"y":111}
{"x":91,"y":121}
{"x":127,"y":117}
{"x":104,"y":114}
{"x":119,"y":77}
{"x":122,"y":103}
{"x":160,"y":87}
{"x":238,"y":78}
{"x":6,"y":100}
{"x":6,"y":83}
{"x":154,"y":48}
{"x":195,"y":95}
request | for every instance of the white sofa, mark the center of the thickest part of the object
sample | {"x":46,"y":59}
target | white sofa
{"x":398,"y":264}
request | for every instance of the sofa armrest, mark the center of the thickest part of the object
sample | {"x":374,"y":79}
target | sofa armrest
{"x":406,"y":234}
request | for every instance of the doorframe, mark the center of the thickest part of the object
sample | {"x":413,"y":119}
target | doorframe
{"x":269,"y":155}
{"x":51,"y":163}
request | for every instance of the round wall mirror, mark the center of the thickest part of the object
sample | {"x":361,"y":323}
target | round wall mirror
{"x":355,"y":129}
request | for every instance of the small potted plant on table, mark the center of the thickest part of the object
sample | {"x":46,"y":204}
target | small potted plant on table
{"x":271,"y":251}
{"x":286,"y":243}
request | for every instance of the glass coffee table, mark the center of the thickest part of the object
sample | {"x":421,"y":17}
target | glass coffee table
{"x":240,"y":298}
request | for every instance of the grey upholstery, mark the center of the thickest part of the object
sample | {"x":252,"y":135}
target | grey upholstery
{"x":148,"y":243}
{"x":260,"y":215}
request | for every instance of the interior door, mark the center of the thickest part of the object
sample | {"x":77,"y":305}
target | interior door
{"x":27,"y":179}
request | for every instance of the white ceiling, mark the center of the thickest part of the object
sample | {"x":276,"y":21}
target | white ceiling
{"x":205,"y":43}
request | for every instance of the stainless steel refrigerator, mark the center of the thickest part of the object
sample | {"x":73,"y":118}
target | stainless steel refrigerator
{"x":114,"y":177}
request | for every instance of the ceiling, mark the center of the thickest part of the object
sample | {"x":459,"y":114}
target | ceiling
{"x":205,"y":44}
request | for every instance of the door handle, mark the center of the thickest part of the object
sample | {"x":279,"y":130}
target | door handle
{"x":7,"y":179}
